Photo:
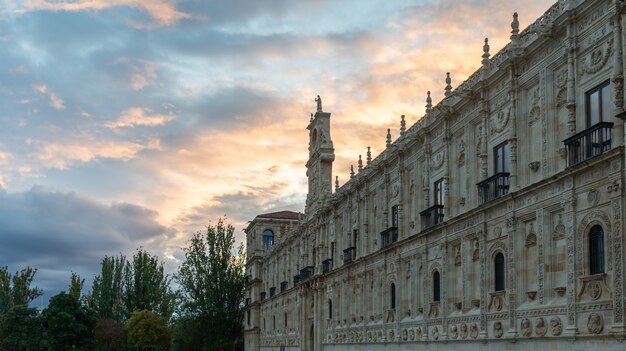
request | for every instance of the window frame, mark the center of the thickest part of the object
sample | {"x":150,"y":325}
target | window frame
{"x":392,"y":302}
{"x":499,"y":272}
{"x":438,"y":187}
{"x":596,"y":251}
{"x":395,"y":217}
{"x":588,"y":94}
{"x":504,"y":158}
{"x":436,"y":286}
{"x":267,"y":244}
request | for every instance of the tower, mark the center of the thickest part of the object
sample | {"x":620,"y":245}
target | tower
{"x":319,"y":167}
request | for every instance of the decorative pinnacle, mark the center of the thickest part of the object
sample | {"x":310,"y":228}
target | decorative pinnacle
{"x":388,"y":137}
{"x":485,"y":61}
{"x":336,"y":183}
{"x":319,"y":103}
{"x":369,"y":156}
{"x":360,"y":164}
{"x":402,"y":126}
{"x":311,"y":117}
{"x":448,"y":86}
{"x":429,"y":102}
{"x":514,"y":27}
{"x":351,"y":171}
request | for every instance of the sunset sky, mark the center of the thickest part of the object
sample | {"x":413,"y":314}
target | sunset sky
{"x":128,"y":123}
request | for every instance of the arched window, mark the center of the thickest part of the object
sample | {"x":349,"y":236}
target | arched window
{"x":274,"y":321}
{"x":268,"y":239}
{"x":596,"y":250}
{"x":330,"y":309}
{"x":436,"y":286}
{"x":285,"y":320}
{"x":499,"y":271}
{"x":393,"y":295}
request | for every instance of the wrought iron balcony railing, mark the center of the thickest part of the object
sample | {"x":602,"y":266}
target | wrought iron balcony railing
{"x":327,"y":265}
{"x":431,"y":216}
{"x":493,"y":187}
{"x":589,"y":143}
{"x":349,"y":255}
{"x":388,"y":237}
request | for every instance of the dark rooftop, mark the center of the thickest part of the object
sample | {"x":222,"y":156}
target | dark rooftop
{"x":281,"y":215}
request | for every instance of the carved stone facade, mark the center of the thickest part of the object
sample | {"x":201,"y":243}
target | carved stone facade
{"x":496,"y":217}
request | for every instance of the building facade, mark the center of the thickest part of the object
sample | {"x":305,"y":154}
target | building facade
{"x":496,"y":221}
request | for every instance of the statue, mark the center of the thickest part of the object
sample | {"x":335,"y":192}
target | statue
{"x":319,"y":103}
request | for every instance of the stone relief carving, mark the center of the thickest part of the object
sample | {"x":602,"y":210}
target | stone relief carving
{"x":437,"y":160}
{"x":526,"y":328}
{"x":531,"y":238}
{"x":499,"y":122}
{"x":435,"y":333}
{"x":411,"y":334}
{"x":463,"y":331}
{"x":540,"y":327}
{"x":556,"y":326}
{"x":594,"y":61}
{"x":534,"y":166}
{"x":453,"y":331}
{"x":418,"y":333}
{"x":592,"y":197}
{"x":473,"y":331}
{"x":461,"y":152}
{"x":561,"y":97}
{"x":559,"y":229}
{"x":595,"y":323}
{"x":497,"y":329}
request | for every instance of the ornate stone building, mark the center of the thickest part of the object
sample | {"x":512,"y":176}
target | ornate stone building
{"x":495,"y":221}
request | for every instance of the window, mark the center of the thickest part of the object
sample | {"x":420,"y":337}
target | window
{"x":268,"y":239}
{"x":355,"y":237}
{"x":598,"y":104}
{"x":332,"y":250}
{"x":499,"y":271}
{"x":248,"y":317}
{"x":285,"y":320}
{"x":436,"y":286}
{"x":439,"y":192}
{"x":394,"y":216}
{"x":502,"y":155}
{"x":596,"y":250}
{"x":274,"y":321}
{"x":393,"y":296}
{"x":330,"y":309}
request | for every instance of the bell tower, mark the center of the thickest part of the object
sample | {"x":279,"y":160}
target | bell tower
{"x":319,"y":167}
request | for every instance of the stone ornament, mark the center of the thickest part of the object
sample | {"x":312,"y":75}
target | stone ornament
{"x":453,"y":331}
{"x":435,"y":333}
{"x":411,"y":334}
{"x":556,"y":326}
{"x":497,"y":329}
{"x":595,"y":323}
{"x":437,"y":160}
{"x":592,"y":197}
{"x":474,"y":331}
{"x":594,"y":62}
{"x":405,"y":335}
{"x":463,"y":331}
{"x":526,"y":327}
{"x":540,"y":327}
{"x":499,"y":122}
{"x":418,"y":333}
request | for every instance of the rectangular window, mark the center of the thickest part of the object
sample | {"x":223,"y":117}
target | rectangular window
{"x":439,"y":192}
{"x":394,"y":216}
{"x":502,"y":156}
{"x":598,"y":104}
{"x":332,"y":250}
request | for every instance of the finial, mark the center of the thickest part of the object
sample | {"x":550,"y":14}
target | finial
{"x":336,"y":183}
{"x":351,"y":171}
{"x":388,"y":137}
{"x":360,"y":164}
{"x":319,"y":103}
{"x":311,"y":117}
{"x":514,"y":27}
{"x":369,"y":156}
{"x":448,"y":86}
{"x":429,"y":102}
{"x":485,"y":61}
{"x":402,"y":126}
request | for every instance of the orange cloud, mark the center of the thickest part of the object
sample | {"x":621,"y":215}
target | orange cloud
{"x":139,"y":116}
{"x":143,"y":77}
{"x":55,"y":101}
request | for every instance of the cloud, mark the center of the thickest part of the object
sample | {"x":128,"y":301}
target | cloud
{"x":139,"y":116}
{"x":143,"y":77}
{"x":55,"y":101}
{"x":164,"y":12}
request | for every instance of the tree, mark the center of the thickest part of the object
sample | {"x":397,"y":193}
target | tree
{"x":109,"y":335}
{"x":76,"y":286}
{"x":21,"y":330}
{"x":15,"y":290}
{"x":107,"y":289}
{"x":68,"y":323}
{"x":212,"y":286}
{"x":148,"y":331}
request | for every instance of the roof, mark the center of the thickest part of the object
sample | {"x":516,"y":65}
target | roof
{"x":281,"y":215}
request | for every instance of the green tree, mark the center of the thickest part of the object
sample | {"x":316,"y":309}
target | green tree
{"x":212,"y":284}
{"x":76,"y":286}
{"x":109,"y":335}
{"x":15,"y":290}
{"x":147,"y":330}
{"x":21,"y":330}
{"x":146,"y":285}
{"x":68,"y":324}
{"x":107,"y":289}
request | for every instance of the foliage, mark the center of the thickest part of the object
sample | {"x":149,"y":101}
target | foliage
{"x":212,"y":285}
{"x":15,"y":290}
{"x":21,"y":330}
{"x":68,"y":323}
{"x":148,"y":331}
{"x":107,"y":290}
{"x":76,"y":286}
{"x":109,"y":335}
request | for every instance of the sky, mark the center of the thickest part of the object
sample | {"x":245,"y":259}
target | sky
{"x":136,"y":123}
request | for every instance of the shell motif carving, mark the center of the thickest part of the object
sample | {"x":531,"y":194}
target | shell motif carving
{"x":438,"y":159}
{"x":499,"y":122}
{"x":594,"y":61}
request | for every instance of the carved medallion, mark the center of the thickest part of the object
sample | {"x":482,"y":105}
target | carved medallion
{"x":499,"y":122}
{"x":540,"y":327}
{"x":556,"y":326}
{"x":463,"y":331}
{"x":435,"y":333}
{"x":598,"y":57}
{"x":474,"y":331}
{"x":438,"y":159}
{"x":418,"y":333}
{"x":411,"y":334}
{"x":526,"y":327}
{"x":595,"y":323}
{"x":594,"y":290}
{"x":453,"y":331}
{"x":497,"y":329}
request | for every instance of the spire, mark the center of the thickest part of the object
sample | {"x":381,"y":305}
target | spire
{"x":485,"y":60}
{"x":336,"y":183}
{"x":388,"y":137}
{"x":514,"y":28}
{"x":360,"y":164}
{"x":369,"y":156}
{"x":448,"y":86}
{"x":319,"y":103}
{"x":402,"y":126}
{"x":351,"y":171}
{"x":429,"y":103}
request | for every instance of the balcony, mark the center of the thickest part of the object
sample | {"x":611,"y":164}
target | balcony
{"x":431,"y":216}
{"x":349,"y":255}
{"x":296,"y":279}
{"x":306,"y":273}
{"x":283,"y":286}
{"x":272,"y":291}
{"x":327,"y":265}
{"x":388,"y":237}
{"x":588,"y":143}
{"x":493,"y":187}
